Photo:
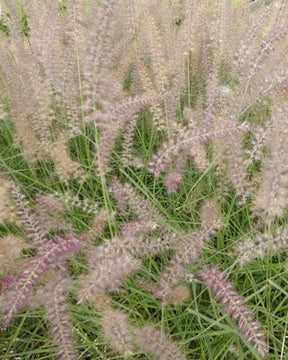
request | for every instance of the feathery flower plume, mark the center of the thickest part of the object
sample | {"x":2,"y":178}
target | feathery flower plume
{"x":269,"y":42}
{"x":179,"y":294}
{"x":159,"y":65}
{"x":150,"y":340}
{"x":249,"y":249}
{"x":11,"y":248}
{"x":49,"y":203}
{"x":143,"y":79}
{"x":107,"y":275}
{"x":234,"y":350}
{"x":209,"y":214}
{"x":236,"y":167}
{"x":87,"y":206}
{"x":117,"y":331}
{"x":99,"y":223}
{"x":97,"y":56}
{"x":101,"y":301}
{"x":59,"y":322}
{"x":112,"y":121}
{"x":189,"y":252}
{"x":28,"y":219}
{"x":7,"y":210}
{"x":6,"y":282}
{"x":233,"y":303}
{"x":135,"y":245}
{"x":258,"y":143}
{"x":174,"y":178}
{"x":272,"y":197}
{"x":48,"y":213}
{"x":3,"y":113}
{"x":199,"y":155}
{"x":187,"y":138}
{"x":125,"y":109}
{"x":173,"y":295}
{"x":220,"y":33}
{"x":137,"y":227}
{"x":49,"y":253}
{"x":65,"y":167}
{"x":127,"y":198}
{"x":127,"y":154}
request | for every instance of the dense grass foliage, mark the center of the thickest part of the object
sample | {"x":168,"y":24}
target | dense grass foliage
{"x":143,"y":179}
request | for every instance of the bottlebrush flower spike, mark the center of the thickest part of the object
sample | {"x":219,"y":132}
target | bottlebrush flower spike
{"x":174,"y":295}
{"x":130,"y":245}
{"x":88,"y":207}
{"x":138,"y":227}
{"x":175,"y":177}
{"x":3,"y":113}
{"x":189,"y":252}
{"x":149,"y":339}
{"x":59,"y":321}
{"x":125,"y":109}
{"x":65,"y":167}
{"x":6,"y":282}
{"x":107,"y":275}
{"x":49,"y":253}
{"x":156,"y":50}
{"x":11,"y":248}
{"x":6,"y":207}
{"x":249,"y":249}
{"x":127,"y":198}
{"x":28,"y":219}
{"x":117,"y":331}
{"x":209,"y":214}
{"x":173,"y":180}
{"x":112,"y":122}
{"x":182,"y":142}
{"x":49,"y":213}
{"x":271,"y":200}
{"x":113,"y":247}
{"x":99,"y":224}
{"x":50,"y":204}
{"x":127,"y":154}
{"x":224,"y":292}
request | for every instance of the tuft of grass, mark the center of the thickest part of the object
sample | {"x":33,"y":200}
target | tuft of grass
{"x":200,"y":326}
